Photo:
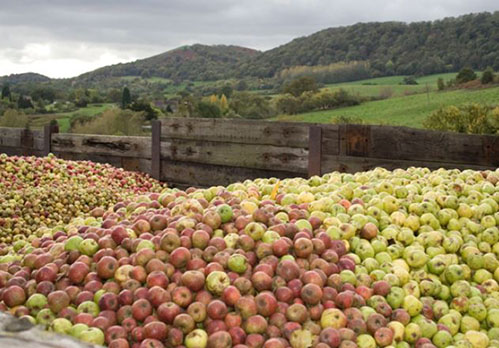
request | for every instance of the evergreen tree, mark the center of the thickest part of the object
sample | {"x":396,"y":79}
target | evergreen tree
{"x":126,"y":98}
{"x":6,"y":92}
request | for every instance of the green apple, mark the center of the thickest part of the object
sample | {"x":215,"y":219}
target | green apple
{"x":93,"y":335}
{"x":477,"y":339}
{"x":238,"y":263}
{"x":73,"y":243}
{"x":88,"y":247}
{"x":412,"y":332}
{"x":145,"y":244}
{"x":333,"y":317}
{"x":197,"y":338}
{"x":442,"y":339}
{"x":61,"y":325}
{"x":366,"y":341}
{"x":77,"y":330}
{"x":36,"y":302}
{"x":270,"y":237}
{"x":225,"y":212}
{"x":45,"y":317}
{"x":88,"y":307}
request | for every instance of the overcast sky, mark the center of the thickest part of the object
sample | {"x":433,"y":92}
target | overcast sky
{"x":64,"y":38}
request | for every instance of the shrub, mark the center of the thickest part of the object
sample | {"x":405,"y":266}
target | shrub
{"x":385,"y":92}
{"x":208,"y":110}
{"x":440,"y":84}
{"x":487,"y":76}
{"x":409,"y":80}
{"x":113,"y":122}
{"x":347,"y":120}
{"x":465,"y":75}
{"x":472,"y":118}
{"x":15,"y":119}
{"x":300,"y":85}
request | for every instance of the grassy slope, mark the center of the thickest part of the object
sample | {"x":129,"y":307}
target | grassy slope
{"x":37,"y":121}
{"x":377,"y":86}
{"x":403,"y":111}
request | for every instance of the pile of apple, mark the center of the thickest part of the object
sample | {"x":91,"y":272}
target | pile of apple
{"x":47,"y":191}
{"x":404,"y":258}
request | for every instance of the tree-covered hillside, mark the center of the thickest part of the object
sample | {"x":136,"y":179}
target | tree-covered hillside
{"x":391,"y":47}
{"x":195,"y":63}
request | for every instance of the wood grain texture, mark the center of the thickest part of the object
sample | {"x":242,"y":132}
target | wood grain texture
{"x":237,"y":131}
{"x":422,"y":145}
{"x":352,"y":164}
{"x":205,"y":175}
{"x":255,"y":156}
{"x":314,"y":151}
{"x":102,"y":145}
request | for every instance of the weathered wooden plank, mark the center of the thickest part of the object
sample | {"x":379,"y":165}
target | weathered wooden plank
{"x":269,"y":157}
{"x":352,"y":164}
{"x":330,"y":139}
{"x":10,"y":141}
{"x":102,"y":145}
{"x":156,"y":149}
{"x":237,"y":131}
{"x":357,"y":139}
{"x":314,"y":150}
{"x":415,"y":144}
{"x":205,"y":175}
{"x":128,"y":163}
{"x":11,"y":151}
{"x":10,"y":132}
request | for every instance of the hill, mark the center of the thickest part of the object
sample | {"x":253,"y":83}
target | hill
{"x":195,"y":63}
{"x":30,"y":77}
{"x":391,"y":48}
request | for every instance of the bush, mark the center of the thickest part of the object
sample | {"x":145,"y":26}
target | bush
{"x":472,"y":118}
{"x":14,"y":119}
{"x":440,"y":84}
{"x":300,"y":85}
{"x":113,"y":122}
{"x":465,"y":75}
{"x":487,"y":76}
{"x":208,"y":110}
{"x":250,"y":105}
{"x":409,"y":80}
{"x":310,"y":101}
{"x":385,"y":92}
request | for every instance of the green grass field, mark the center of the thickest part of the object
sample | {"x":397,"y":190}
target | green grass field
{"x":402,"y":111}
{"x":39,"y":120}
{"x":390,"y":86}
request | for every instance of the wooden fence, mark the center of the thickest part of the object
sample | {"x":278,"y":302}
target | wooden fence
{"x":205,"y":152}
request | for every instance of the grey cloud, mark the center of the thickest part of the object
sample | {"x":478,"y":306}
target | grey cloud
{"x":131,"y":29}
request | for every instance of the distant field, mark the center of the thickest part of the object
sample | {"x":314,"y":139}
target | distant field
{"x":39,"y":120}
{"x":390,"y":86}
{"x":403,"y":111}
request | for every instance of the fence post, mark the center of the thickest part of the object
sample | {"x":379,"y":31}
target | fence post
{"x":156,"y":149}
{"x":48,"y":130}
{"x":26,"y":142}
{"x":314,"y":150}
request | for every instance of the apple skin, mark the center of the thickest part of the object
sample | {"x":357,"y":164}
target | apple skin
{"x":197,"y":338}
{"x":333,"y":317}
